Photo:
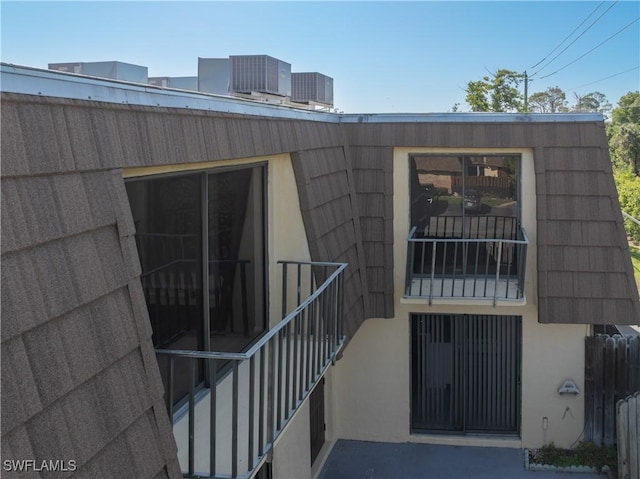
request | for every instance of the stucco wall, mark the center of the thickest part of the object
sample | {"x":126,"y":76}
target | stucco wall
{"x":373,"y":378}
{"x":291,"y":454}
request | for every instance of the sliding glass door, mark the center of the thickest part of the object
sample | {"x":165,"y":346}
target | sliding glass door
{"x":465,"y":373}
{"x":201,"y":239}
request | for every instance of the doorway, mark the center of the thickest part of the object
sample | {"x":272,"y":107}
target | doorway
{"x":465,"y":373}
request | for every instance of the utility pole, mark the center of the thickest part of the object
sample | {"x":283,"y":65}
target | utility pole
{"x":526,"y":92}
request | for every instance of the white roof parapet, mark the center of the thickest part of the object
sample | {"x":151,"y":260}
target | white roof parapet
{"x":51,"y":83}
{"x":470,"y":117}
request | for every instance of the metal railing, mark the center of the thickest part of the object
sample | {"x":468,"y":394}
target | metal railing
{"x":631,"y":218}
{"x":466,"y":268}
{"x":243,"y":407}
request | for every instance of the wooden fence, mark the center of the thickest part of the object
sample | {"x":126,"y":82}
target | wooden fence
{"x":629,"y":437}
{"x":483,"y":182}
{"x":612,"y":372}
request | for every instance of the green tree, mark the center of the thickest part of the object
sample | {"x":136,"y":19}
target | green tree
{"x":552,"y":100}
{"x":628,"y":109}
{"x":624,"y":146}
{"x":624,"y":133}
{"x":498,"y":92}
{"x":592,"y":102}
{"x":478,"y":95}
{"x":628,"y":186}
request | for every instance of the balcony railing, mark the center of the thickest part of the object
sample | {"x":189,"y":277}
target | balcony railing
{"x":234,"y":416}
{"x":489,"y":265}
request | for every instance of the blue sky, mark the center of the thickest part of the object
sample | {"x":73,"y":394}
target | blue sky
{"x":383,"y":56}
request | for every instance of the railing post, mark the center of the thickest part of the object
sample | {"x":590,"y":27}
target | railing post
{"x":433,"y":272}
{"x":523,"y":267}
{"x":252,"y":388}
{"x":296,"y":360}
{"x":192,"y":419}
{"x":285,"y":267}
{"x":270,"y":390}
{"x":278,"y":403}
{"x":410,"y":260}
{"x":499,"y":262}
{"x":318,"y":335}
{"x":213,"y":372}
{"x":234,"y":422}
{"x":287,"y":391}
{"x":261,"y":409}
{"x":299,"y":290}
{"x":308,"y":366}
{"x":341,"y":306}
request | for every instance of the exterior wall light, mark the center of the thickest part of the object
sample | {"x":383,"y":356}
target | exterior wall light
{"x":569,"y":387}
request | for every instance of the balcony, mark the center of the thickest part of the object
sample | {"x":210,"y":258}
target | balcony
{"x":231,"y":418}
{"x":464,"y":258}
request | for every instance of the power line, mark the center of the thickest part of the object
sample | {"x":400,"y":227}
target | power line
{"x":597,"y":46}
{"x":605,"y":78}
{"x":575,"y":40}
{"x":568,"y":36}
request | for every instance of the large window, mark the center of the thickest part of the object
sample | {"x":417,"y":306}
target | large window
{"x":465,"y":196}
{"x":201,"y":241}
{"x":465,"y":238}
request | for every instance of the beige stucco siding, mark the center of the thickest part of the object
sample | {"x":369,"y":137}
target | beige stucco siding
{"x":291,"y":453}
{"x":373,"y":378}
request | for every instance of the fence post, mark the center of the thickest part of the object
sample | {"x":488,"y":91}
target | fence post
{"x":612,"y":366}
{"x":598,"y":383}
{"x":609,"y":392}
{"x":590,"y":344}
{"x":623,"y":445}
{"x":628,"y":429}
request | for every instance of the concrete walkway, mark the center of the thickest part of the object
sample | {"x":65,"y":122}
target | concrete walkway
{"x":376,"y":460}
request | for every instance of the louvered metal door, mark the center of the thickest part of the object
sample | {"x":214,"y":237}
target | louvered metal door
{"x":316,"y":419}
{"x":465,"y":373}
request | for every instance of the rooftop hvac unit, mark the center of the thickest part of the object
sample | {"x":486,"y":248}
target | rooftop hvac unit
{"x":260,"y":73}
{"x":181,"y":83}
{"x":213,"y":75}
{"x":312,"y":87}
{"x":114,"y":70}
{"x":66,"y":67}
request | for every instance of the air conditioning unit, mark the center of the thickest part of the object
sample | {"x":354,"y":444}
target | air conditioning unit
{"x":260,"y":73}
{"x":312,"y":87}
{"x":114,"y":70}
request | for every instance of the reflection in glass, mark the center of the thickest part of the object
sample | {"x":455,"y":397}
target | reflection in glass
{"x":464,"y":196}
{"x":167,"y":216}
{"x":464,"y":213}
{"x":173,"y":240}
{"x":236,"y":258}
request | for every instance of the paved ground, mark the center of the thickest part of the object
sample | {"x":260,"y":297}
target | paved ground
{"x":375,"y":460}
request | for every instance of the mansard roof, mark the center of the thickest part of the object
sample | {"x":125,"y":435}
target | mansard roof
{"x":71,"y":298}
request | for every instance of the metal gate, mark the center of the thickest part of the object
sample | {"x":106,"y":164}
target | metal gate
{"x":465,"y":373}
